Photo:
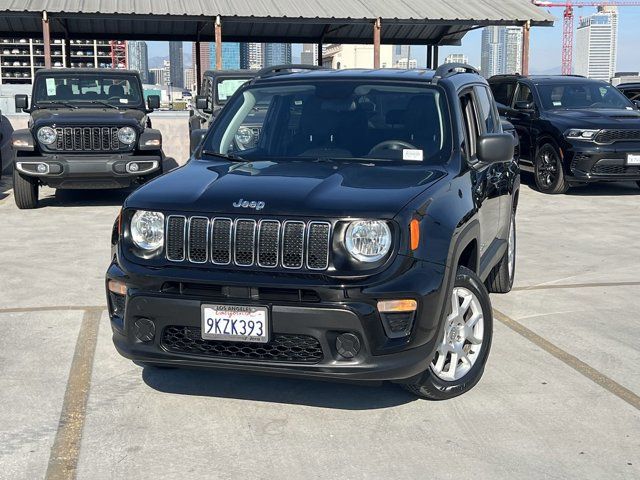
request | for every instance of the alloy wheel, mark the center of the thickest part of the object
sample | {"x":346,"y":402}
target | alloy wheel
{"x":547,"y":167}
{"x":463,"y":337}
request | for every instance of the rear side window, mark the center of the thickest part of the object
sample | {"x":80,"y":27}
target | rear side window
{"x":471,"y":127}
{"x":503,"y":92}
{"x":524,"y":94}
{"x":487,"y":112}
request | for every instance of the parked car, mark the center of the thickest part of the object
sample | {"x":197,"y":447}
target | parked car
{"x":218,"y":86}
{"x":572,"y":130}
{"x":356,"y":240}
{"x":632,"y":91}
{"x":88,"y":129}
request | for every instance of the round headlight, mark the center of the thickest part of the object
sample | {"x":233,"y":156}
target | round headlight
{"x":368,"y":240}
{"x":244,"y":136}
{"x":147,"y":230}
{"x":47,"y":135}
{"x":127,"y":135}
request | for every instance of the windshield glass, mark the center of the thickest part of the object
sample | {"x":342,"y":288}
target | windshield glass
{"x":338,"y":120}
{"x":113,"y":89}
{"x":581,"y":95}
{"x":226,"y":87}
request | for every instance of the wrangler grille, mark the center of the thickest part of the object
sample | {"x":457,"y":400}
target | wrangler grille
{"x":617,"y":135}
{"x":269,"y":243}
{"x":89,"y":139}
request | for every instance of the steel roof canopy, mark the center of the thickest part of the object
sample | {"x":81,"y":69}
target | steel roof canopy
{"x":441,"y":22}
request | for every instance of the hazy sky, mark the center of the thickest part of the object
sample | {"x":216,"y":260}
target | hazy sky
{"x":545,"y":43}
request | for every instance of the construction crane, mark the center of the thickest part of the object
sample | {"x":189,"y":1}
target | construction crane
{"x":567,"y":27}
{"x":118,"y":54}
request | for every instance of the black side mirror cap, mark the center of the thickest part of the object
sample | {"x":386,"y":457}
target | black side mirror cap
{"x":196,"y":137}
{"x":22,"y":102}
{"x":495,"y":148}
{"x":153,"y":102}
{"x":202,"y":103}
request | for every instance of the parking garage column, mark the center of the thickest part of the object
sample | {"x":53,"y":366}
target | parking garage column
{"x":46,"y":38}
{"x":526,"y":33}
{"x":218,"y":34}
{"x":377,"y":27}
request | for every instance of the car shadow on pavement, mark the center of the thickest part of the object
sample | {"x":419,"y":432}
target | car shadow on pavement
{"x":245,"y":386}
{"x":605,"y":189}
{"x":85,"y":198}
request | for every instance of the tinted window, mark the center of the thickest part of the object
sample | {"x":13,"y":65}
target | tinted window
{"x":226,"y":87}
{"x":524,"y":94}
{"x":338,"y":120}
{"x":117,"y":90}
{"x":472,"y":130}
{"x":632,"y":93}
{"x":487,"y":113}
{"x":503,"y":92}
{"x":576,"y":95}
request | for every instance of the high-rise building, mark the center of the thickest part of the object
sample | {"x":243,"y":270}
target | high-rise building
{"x":277,"y":54}
{"x":596,"y":51}
{"x":501,"y":50}
{"x":339,"y":56}
{"x":251,"y":55}
{"x":400,"y":51}
{"x":456,"y":58}
{"x":190,"y":78}
{"x":309,"y":54}
{"x":176,"y":64}
{"x":139,"y":58}
{"x":157,"y":76}
{"x":406,"y":63}
{"x":205,"y":56}
{"x":230,"y":55}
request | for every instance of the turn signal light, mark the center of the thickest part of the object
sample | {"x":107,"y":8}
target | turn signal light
{"x":396,"y":306}
{"x":414,"y":229}
{"x":117,"y":287}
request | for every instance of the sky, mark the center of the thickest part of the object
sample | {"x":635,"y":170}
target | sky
{"x":545,"y":44}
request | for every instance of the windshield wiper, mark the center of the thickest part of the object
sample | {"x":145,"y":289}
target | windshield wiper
{"x":233,"y":157}
{"x":57,"y":102}
{"x":106,"y":104}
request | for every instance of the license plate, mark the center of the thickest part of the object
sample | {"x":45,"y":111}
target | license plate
{"x":633,"y":159}
{"x":235,"y":323}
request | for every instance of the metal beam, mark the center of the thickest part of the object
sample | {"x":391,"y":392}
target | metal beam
{"x":218,"y":35}
{"x":320,"y":59}
{"x":429,"y":56}
{"x":377,"y":27}
{"x":526,"y":38}
{"x":46,"y":38}
{"x":198,"y":65}
{"x":435,"y":60}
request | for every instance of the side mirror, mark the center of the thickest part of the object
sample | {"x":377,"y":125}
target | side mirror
{"x":22,"y":102}
{"x":525,"y":106}
{"x":196,"y":137}
{"x":495,"y":148}
{"x":202,"y":103}
{"x":153,"y":102}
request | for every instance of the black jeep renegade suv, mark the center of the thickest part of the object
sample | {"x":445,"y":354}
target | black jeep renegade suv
{"x":89,"y":128}
{"x":358,"y":239}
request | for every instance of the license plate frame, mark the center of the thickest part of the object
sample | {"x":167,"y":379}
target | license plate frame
{"x":633,"y":159}
{"x":226,"y":322}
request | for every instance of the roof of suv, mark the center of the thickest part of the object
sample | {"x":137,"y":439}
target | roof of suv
{"x":540,"y":79}
{"x":67,"y":71}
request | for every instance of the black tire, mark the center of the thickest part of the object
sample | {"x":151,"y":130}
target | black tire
{"x":501,"y":278}
{"x":548,"y":170}
{"x":429,"y":385}
{"x":25,"y":191}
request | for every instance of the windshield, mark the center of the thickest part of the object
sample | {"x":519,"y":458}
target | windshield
{"x":226,"y":87}
{"x":335,"y":120}
{"x":582,"y":95}
{"x":119,"y":91}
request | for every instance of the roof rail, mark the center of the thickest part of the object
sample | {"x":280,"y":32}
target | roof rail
{"x":506,"y":75}
{"x":447,"y":69}
{"x":288,"y":68}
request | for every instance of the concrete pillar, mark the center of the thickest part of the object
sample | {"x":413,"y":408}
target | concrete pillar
{"x":218,"y":33}
{"x":46,"y":38}
{"x":526,"y":34}
{"x":377,"y":27}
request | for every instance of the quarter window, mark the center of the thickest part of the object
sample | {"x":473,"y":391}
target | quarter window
{"x":524,"y":94}
{"x":472,"y":131}
{"x":488,"y":114}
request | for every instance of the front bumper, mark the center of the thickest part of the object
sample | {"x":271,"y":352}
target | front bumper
{"x":89,"y":171}
{"x":334,"y":311}
{"x":603,"y":163}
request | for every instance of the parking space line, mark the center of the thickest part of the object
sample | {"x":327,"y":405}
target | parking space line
{"x":577,"y":285}
{"x":56,"y":308}
{"x":578,"y":365}
{"x":63,"y":459}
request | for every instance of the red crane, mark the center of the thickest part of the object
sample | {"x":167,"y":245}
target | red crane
{"x":567,"y":28}
{"x":119,"y":54}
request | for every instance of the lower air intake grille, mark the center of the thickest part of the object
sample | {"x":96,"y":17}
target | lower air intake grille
{"x":282,"y":348}
{"x":610,"y":169}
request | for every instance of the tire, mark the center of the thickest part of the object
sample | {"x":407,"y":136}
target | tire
{"x":501,"y":278}
{"x":25,"y":191}
{"x":548,"y":170}
{"x":437,"y":384}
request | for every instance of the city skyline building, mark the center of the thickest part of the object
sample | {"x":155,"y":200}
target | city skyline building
{"x":176,"y":64}
{"x":596,"y":52}
{"x":251,"y":55}
{"x":501,"y":50}
{"x":340,"y":56}
{"x":276,"y":54}
{"x":139,"y":58}
{"x":456,"y":58}
{"x":309,"y":54}
{"x":230,"y":55}
{"x":190,"y":78}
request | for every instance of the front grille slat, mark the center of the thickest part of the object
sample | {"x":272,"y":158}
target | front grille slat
{"x":88,"y":139}
{"x":617,"y":135}
{"x":269,"y":243}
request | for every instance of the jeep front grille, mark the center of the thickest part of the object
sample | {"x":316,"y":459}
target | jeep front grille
{"x":617,"y":135}
{"x":268,"y":243}
{"x":88,"y":139}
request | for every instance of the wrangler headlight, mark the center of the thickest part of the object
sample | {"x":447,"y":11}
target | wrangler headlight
{"x":147,"y":230}
{"x":581,"y":134}
{"x":47,"y":135}
{"x":127,"y":135}
{"x":368,"y":240}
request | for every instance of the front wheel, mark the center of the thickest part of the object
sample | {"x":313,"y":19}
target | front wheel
{"x":463,"y":348}
{"x":548,"y":171}
{"x":25,"y":190}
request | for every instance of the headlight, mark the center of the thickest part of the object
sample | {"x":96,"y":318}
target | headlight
{"x":368,"y":240}
{"x":127,"y":135}
{"x":581,"y":134}
{"x":47,"y":135}
{"x":244,"y":136}
{"x":147,"y":230}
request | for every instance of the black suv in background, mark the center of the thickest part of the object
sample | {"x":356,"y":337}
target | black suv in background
{"x":572,"y":130}
{"x":89,"y":128}
{"x":632,"y":91}
{"x":357,"y":240}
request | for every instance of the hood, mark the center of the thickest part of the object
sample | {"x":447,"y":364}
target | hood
{"x":87,"y":116}
{"x":597,"y":118}
{"x":295,"y":188}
